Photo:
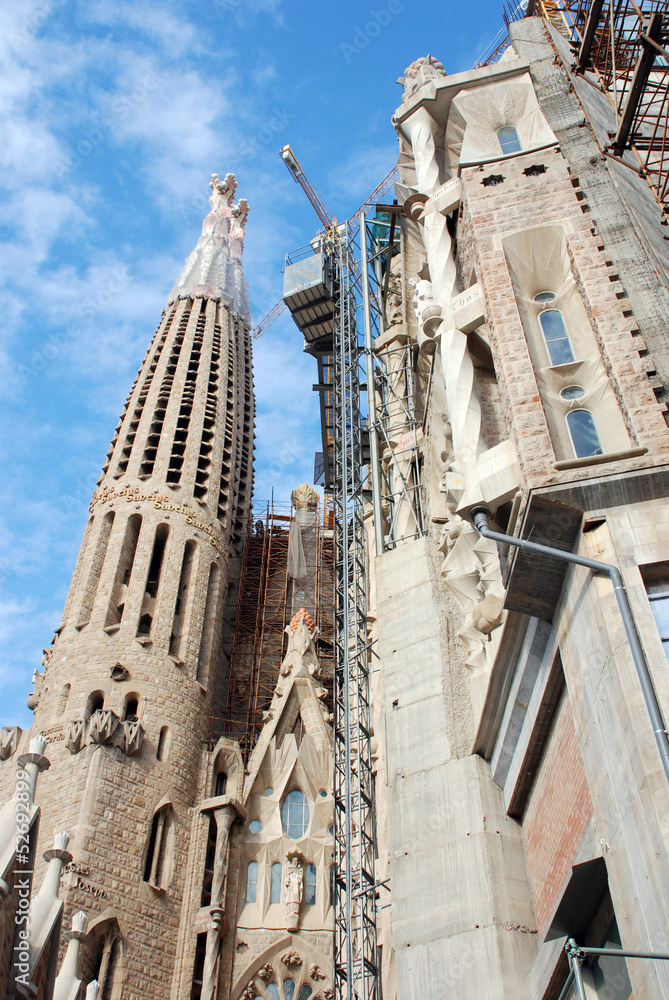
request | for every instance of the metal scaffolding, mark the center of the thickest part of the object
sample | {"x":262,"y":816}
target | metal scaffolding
{"x":264,"y":609}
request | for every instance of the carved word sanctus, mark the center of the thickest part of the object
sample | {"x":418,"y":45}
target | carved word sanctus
{"x":133,"y":495}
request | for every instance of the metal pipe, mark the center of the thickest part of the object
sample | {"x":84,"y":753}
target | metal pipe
{"x":575,"y":961}
{"x":566,"y":989}
{"x":481,"y":518}
{"x":371,"y":396}
{"x":660,"y":956}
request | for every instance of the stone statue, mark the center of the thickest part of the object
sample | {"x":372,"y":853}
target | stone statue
{"x":293,"y":882}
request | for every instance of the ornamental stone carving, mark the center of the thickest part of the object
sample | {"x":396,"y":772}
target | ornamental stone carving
{"x":103,"y":725}
{"x":74,"y":735}
{"x":250,"y":992}
{"x":133,"y":737}
{"x":292,"y":959}
{"x":9,"y":740}
{"x":316,"y":972}
{"x":266,"y":973}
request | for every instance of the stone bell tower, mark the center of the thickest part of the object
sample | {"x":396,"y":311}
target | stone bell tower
{"x":137,"y":668}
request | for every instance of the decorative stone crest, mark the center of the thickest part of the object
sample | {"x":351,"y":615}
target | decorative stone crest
{"x":266,"y":973}
{"x":74,"y":735}
{"x":103,"y":723}
{"x":316,"y":972}
{"x":292,"y":959}
{"x":250,"y":992}
{"x":119,"y":673}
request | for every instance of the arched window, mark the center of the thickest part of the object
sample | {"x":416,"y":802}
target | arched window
{"x":277,"y":872}
{"x":106,"y":953}
{"x":508,"y":139}
{"x":289,"y":988}
{"x":96,"y":701}
{"x":158,"y":867}
{"x":583,"y":433}
{"x":131,"y":707}
{"x":221,"y":783}
{"x":310,"y":886}
{"x":252,"y":882}
{"x":556,"y":337}
{"x":295,"y":814}
{"x":305,"y":992}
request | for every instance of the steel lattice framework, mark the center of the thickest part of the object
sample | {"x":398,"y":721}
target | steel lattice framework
{"x":355,"y":954}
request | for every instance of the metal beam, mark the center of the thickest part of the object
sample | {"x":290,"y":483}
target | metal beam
{"x":641,"y":74}
{"x":589,"y":32}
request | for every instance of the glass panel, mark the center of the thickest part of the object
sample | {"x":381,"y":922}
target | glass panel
{"x":584,"y":434}
{"x":555,"y":335}
{"x":289,"y":988}
{"x":660,"y":609}
{"x":544,"y":297}
{"x":255,"y":826}
{"x":272,"y":991}
{"x":295,"y":814}
{"x":572,"y":392}
{"x":276,"y":883}
{"x":305,"y":992}
{"x":310,"y":886}
{"x":252,"y":882}
{"x":508,"y":139}
{"x":269,"y":791}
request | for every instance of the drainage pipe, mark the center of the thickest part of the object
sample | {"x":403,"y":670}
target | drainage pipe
{"x":481,"y":517}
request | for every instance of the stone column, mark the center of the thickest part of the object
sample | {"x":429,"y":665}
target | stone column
{"x":225,"y":815}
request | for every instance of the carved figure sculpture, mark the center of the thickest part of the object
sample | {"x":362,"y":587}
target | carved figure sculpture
{"x":293,"y":882}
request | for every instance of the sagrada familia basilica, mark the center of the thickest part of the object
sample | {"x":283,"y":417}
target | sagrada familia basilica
{"x":169,"y":822}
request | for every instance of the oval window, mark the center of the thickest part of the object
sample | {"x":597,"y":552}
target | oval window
{"x":544,"y":297}
{"x":572,"y":392}
{"x":255,"y":826}
{"x":295,"y":814}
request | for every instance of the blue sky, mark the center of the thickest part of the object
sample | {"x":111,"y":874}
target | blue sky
{"x":114,"y":116}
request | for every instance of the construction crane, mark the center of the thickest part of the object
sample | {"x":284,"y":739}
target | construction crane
{"x":327,"y":220}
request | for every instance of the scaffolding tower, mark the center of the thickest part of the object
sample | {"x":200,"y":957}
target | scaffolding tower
{"x":335,"y":289}
{"x":267,"y":594}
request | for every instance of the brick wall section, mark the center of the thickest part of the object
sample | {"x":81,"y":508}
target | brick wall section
{"x":557,"y":814}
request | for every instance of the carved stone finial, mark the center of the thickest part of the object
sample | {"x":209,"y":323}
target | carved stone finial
{"x":38,"y":744}
{"x":304,"y":496}
{"x":301,"y":614}
{"x":79,"y":922}
{"x":92,"y":990}
{"x":419,"y":72}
